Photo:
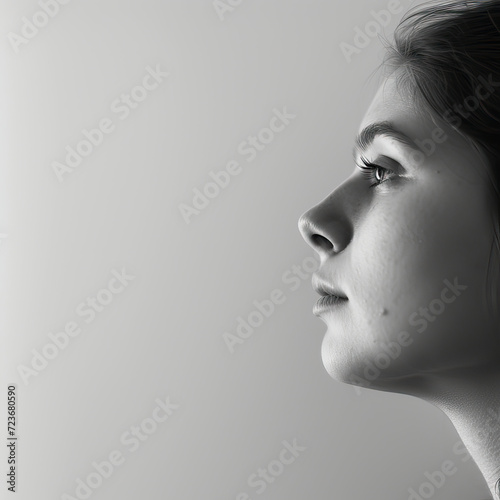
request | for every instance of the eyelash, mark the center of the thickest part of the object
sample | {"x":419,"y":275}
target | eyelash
{"x":368,"y":170}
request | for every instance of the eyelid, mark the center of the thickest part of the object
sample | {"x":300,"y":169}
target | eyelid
{"x":386,"y":162}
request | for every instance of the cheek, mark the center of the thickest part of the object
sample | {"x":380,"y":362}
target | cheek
{"x":384,"y":259}
{"x":409,"y":242}
{"x":401,"y":260}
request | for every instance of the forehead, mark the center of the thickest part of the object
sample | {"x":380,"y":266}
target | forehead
{"x":398,"y":107}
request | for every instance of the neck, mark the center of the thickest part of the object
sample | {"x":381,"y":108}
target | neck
{"x":470,"y":398}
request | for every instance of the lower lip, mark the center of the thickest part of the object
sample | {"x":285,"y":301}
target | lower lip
{"x":326,"y":303}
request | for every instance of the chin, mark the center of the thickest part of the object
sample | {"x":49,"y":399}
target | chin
{"x":370,"y":370}
{"x":339,"y":363}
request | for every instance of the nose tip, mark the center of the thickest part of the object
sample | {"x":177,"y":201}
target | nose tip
{"x":326,"y":229}
{"x":303,"y":225}
{"x":313,"y":235}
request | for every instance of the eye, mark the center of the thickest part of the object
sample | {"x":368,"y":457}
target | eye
{"x":374,"y":173}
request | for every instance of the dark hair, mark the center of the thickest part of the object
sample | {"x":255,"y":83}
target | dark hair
{"x":446,"y":51}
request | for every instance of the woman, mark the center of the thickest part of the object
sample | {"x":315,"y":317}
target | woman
{"x":409,"y":243}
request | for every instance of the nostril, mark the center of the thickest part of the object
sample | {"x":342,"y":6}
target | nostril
{"x":321,"y":242}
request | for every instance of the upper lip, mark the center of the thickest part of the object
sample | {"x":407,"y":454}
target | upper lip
{"x":324,"y":288}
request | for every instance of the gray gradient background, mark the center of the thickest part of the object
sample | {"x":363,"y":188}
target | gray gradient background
{"x":163,"y":335}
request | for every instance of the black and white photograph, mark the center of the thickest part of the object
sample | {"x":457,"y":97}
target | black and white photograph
{"x":250,"y":249}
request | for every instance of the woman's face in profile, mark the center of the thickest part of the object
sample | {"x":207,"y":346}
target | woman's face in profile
{"x":409,"y":248}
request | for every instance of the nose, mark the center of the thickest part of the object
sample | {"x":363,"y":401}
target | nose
{"x":325,"y":229}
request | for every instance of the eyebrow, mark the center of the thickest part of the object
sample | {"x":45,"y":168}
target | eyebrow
{"x":365,"y":138}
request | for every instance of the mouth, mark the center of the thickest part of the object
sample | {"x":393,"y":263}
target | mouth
{"x":327,"y":303}
{"x":325,"y":289}
{"x":331,"y":297}
{"x":330,"y":293}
